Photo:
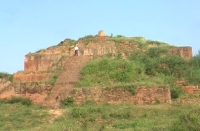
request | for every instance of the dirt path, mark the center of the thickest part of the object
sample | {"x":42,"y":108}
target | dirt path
{"x":55,"y":113}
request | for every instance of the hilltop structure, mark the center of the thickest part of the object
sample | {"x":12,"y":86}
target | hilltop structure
{"x":101,"y":33}
{"x":54,"y":71}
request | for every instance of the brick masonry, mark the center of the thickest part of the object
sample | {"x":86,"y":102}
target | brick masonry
{"x":144,"y":95}
{"x":32,"y":77}
{"x":49,"y":58}
{"x":184,"y":52}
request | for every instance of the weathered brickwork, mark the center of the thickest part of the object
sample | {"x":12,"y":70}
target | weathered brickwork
{"x":185,"y":52}
{"x":143,"y":95}
{"x":32,"y":77}
{"x":41,"y":66}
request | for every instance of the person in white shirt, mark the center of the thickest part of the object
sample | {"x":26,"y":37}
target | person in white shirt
{"x":76,"y":50}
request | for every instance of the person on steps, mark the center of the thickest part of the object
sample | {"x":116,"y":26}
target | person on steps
{"x":76,"y":50}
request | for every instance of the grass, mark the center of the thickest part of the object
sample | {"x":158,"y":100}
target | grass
{"x":15,"y":117}
{"x":114,"y":71}
{"x":125,"y":117}
{"x":92,"y":117}
{"x":53,"y":79}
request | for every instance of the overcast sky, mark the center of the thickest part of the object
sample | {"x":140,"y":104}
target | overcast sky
{"x":29,"y":25}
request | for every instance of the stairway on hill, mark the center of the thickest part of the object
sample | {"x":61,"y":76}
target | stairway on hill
{"x":66,"y":81}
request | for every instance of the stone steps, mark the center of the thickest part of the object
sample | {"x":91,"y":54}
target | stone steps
{"x":66,"y":81}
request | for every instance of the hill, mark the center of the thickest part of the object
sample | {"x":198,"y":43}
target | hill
{"x":116,"y":83}
{"x":113,"y":69}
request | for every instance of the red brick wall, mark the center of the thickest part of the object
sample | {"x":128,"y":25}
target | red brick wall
{"x":190,"y":89}
{"x":185,"y":52}
{"x":31,"y":77}
{"x":144,"y":95}
{"x":38,"y":62}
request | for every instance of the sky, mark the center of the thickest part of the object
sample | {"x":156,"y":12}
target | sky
{"x":30,"y":25}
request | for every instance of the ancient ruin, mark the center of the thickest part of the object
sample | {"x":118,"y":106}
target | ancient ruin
{"x":58,"y":63}
{"x":101,"y":33}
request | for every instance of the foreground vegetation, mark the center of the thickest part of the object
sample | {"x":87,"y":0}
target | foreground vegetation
{"x":19,"y":114}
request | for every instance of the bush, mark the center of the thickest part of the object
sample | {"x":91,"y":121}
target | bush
{"x":155,"y":65}
{"x":80,"y":113}
{"x":176,"y":92}
{"x":174,"y":65}
{"x":196,"y":60}
{"x":22,"y":100}
{"x":152,"y":67}
{"x":53,"y":80}
{"x":69,"y":101}
{"x":193,"y":73}
{"x":193,"y":76}
{"x":157,"y":52}
{"x":131,"y":89}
